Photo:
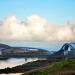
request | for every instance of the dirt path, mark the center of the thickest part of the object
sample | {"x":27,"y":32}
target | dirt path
{"x":37,"y":69}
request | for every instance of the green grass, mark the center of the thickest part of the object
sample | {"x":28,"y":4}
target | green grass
{"x":64,"y":67}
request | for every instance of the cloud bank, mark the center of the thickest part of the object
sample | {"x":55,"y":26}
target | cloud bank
{"x":35,"y":28}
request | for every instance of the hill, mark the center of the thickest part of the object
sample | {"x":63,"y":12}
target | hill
{"x":4,"y":46}
{"x":64,"y":67}
{"x":66,"y":51}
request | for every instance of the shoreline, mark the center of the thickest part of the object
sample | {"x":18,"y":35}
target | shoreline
{"x":25,"y":67}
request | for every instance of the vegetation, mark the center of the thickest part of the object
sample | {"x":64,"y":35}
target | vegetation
{"x":64,"y":67}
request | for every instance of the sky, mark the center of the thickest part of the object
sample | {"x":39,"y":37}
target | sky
{"x":37,"y":20}
{"x":55,"y":11}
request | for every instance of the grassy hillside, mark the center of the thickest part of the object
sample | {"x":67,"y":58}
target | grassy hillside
{"x":64,"y":67}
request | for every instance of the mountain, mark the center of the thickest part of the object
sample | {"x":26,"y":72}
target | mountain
{"x":7,"y":51}
{"x":66,"y":51}
{"x":4,"y":46}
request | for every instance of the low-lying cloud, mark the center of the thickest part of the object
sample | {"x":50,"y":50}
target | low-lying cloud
{"x":35,"y":28}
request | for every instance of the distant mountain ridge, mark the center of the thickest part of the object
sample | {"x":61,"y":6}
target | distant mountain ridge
{"x":8,"y":46}
{"x":66,"y":51}
{"x":7,"y":51}
{"x":4,"y":46}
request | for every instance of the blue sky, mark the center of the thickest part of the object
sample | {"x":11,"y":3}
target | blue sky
{"x":55,"y":11}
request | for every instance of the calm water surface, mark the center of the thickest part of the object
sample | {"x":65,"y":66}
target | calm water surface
{"x":14,"y":62}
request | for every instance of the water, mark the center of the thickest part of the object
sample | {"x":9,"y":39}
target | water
{"x":14,"y":62}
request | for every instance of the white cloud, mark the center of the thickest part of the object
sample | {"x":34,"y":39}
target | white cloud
{"x":35,"y":28}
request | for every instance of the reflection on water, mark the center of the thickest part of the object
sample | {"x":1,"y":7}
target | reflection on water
{"x":14,"y":62}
